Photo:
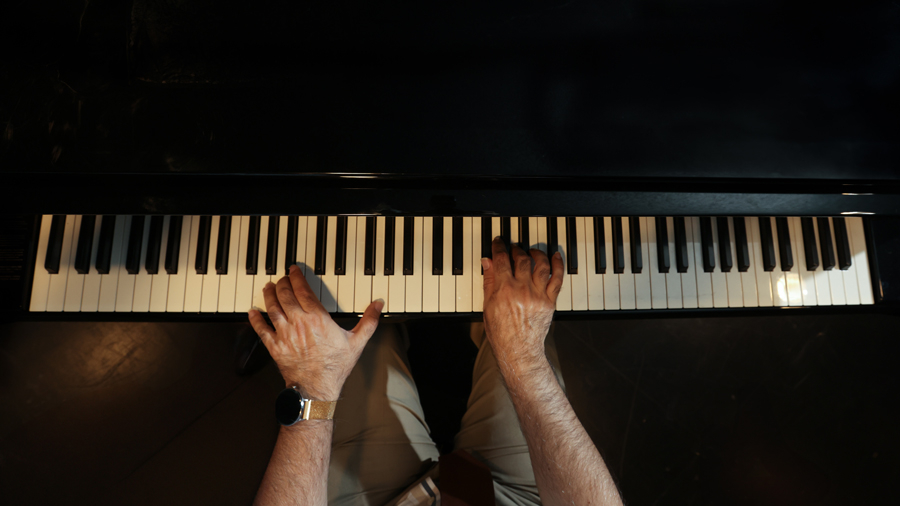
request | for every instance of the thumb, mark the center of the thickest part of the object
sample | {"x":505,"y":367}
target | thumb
{"x":369,"y":322}
{"x":487,"y":265}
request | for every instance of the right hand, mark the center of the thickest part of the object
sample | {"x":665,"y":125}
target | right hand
{"x":519,"y":306}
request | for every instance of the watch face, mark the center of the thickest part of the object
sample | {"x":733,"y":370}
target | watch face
{"x":288,"y":407}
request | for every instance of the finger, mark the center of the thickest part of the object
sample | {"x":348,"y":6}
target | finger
{"x":523,"y":262}
{"x":276,"y":314}
{"x":263,"y":330}
{"x":500,"y":261}
{"x":305,"y":296}
{"x":541,"y":274}
{"x":556,"y":279}
{"x":368,"y":323}
{"x":286,"y":298}
{"x":487,"y":266}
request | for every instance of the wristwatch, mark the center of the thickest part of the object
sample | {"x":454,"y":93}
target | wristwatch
{"x":291,"y":407}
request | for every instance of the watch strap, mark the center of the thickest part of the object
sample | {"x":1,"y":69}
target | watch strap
{"x":318,"y":410}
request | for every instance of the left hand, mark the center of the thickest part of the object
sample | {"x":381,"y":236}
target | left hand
{"x":311,"y":350}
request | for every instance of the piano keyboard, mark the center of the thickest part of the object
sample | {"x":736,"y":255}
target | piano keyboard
{"x":219,"y":264}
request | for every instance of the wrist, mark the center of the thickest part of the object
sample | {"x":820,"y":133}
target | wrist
{"x":313,"y":391}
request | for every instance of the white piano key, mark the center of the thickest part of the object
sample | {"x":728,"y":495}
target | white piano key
{"x":125,"y":290}
{"x":594,"y":280}
{"x":243,"y":292}
{"x":477,"y":275}
{"x":329,"y":297}
{"x":380,"y":282}
{"x":780,"y":295}
{"x":178,"y":281}
{"x":764,"y":288}
{"x":110,"y":282}
{"x":74,"y":280}
{"x":447,"y":297}
{"x":430,"y":282}
{"x":704,"y":279}
{"x":301,"y":260}
{"x":228,"y":282}
{"x":281,"y":260}
{"x":792,"y":276}
{"x":314,"y":280}
{"x":611,"y":292}
{"x":90,"y":296}
{"x":193,"y":286}
{"x":143,"y":280}
{"x":851,"y":283}
{"x":346,"y":283}
{"x":835,"y":275}
{"x":514,"y":230}
{"x":414,"y":281}
{"x":719,"y":281}
{"x":40,"y":284}
{"x":689,"y":279}
{"x":56,"y":298}
{"x":362,"y":287}
{"x":627,"y":299}
{"x":532,"y":231}
{"x":734,"y":279}
{"x":748,"y":277}
{"x":397,"y":282}
{"x":464,"y":280}
{"x":673,"y":277}
{"x":159,"y":284}
{"x":658,"y":298}
{"x":642,"y":280}
{"x":807,"y":277}
{"x":495,"y":225}
{"x":823,"y":281}
{"x":579,"y":281}
{"x":564,"y":301}
{"x":541,"y":234}
{"x":856,"y":232}
{"x":261,"y":278}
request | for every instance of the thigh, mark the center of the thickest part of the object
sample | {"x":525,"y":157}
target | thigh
{"x":381,"y":442}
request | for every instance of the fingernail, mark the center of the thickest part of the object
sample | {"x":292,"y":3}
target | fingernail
{"x":379,"y":304}
{"x":557,"y":255}
{"x":485,"y":264}
{"x":269,"y":284}
{"x":254,"y":308}
{"x":293,"y":267}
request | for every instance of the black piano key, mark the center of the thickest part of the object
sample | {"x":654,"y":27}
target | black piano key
{"x":784,"y":244}
{"x":154,"y":244}
{"x":486,"y":237}
{"x":506,"y":232}
{"x":223,"y":244}
{"x":321,"y":244}
{"x":842,"y":243}
{"x":571,"y":245}
{"x":457,"y":246}
{"x":253,"y":245}
{"x":437,"y":245}
{"x":741,"y":245}
{"x":409,"y":243}
{"x":173,"y":243}
{"x":272,"y":246}
{"x":767,"y":243}
{"x":290,"y":249}
{"x":682,"y":262}
{"x":599,"y":245}
{"x":618,"y":246}
{"x":637,"y":262}
{"x":810,"y":248}
{"x":135,"y":243}
{"x":708,"y":249}
{"x":54,"y":245}
{"x":85,"y":244}
{"x":524,"y":233}
{"x":552,"y":236}
{"x":662,"y":244}
{"x":390,"y":229}
{"x":369,"y":250}
{"x":827,"y":247}
{"x":725,"y":256}
{"x":201,"y":261}
{"x":340,"y":247}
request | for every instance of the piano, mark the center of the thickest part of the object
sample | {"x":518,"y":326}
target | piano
{"x":680,"y":167}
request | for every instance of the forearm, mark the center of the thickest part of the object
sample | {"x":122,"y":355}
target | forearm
{"x":298,"y":470}
{"x":568,"y":468}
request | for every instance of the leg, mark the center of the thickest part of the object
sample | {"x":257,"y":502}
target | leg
{"x":381,"y":442}
{"x":490,"y":428}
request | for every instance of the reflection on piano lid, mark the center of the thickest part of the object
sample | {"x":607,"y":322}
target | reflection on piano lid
{"x":88,"y":263}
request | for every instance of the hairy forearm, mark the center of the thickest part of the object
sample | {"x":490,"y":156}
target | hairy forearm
{"x":568,"y":468}
{"x":298,"y":470}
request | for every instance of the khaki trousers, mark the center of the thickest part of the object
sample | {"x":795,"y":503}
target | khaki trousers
{"x":382,"y":445}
